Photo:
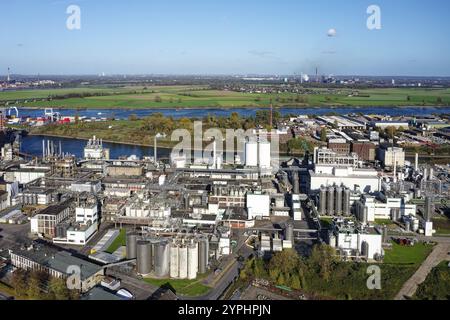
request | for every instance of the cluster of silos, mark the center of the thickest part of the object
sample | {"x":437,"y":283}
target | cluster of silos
{"x":361,"y":212}
{"x":334,"y":201}
{"x":152,"y":256}
{"x":162,"y":258}
{"x":187,"y":260}
{"x":258,"y":154}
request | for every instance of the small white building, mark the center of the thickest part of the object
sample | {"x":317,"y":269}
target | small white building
{"x":258,"y":205}
{"x":390,"y":155}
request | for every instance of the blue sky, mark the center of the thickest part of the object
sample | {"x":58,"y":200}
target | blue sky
{"x":225,"y":37}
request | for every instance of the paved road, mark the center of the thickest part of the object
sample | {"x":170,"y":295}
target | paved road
{"x":139,"y":288}
{"x":439,"y":254}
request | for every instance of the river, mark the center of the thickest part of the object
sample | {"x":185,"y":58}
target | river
{"x":201,"y":112}
{"x":33,"y":144}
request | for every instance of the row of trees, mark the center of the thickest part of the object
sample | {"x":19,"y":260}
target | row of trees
{"x":287,"y":268}
{"x":37,"y":285}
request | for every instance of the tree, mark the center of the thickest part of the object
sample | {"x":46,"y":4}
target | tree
{"x":158,"y":99}
{"x":323,"y":135}
{"x":19,"y":282}
{"x":132,"y":117}
{"x":322,"y":260}
{"x":35,"y":284}
{"x":235,"y":121}
{"x":285,"y":261}
{"x":58,"y":289}
{"x":439,"y":100}
{"x":295,"y":282}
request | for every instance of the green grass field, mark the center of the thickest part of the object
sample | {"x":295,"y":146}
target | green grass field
{"x":414,"y":255}
{"x":190,"y":288}
{"x":197,"y":97}
{"x":442,"y":225}
{"x":118,"y":242}
{"x":437,"y":285}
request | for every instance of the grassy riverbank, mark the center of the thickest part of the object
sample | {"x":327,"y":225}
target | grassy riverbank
{"x":203,"y":97}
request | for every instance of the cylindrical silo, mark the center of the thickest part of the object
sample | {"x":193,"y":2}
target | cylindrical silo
{"x":251,"y":154}
{"x":323,"y":201}
{"x":182,"y":262}
{"x":203,"y":256}
{"x":131,"y":246}
{"x":289,"y":231}
{"x":346,"y":203}
{"x":192,"y":261}
{"x":264,"y":154}
{"x":174,"y":261}
{"x":330,"y":206}
{"x":162,"y":257}
{"x":296,"y":182}
{"x":144,"y":254}
{"x":338,"y":201}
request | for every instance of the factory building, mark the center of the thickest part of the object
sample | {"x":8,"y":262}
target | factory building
{"x":388,"y":156}
{"x":44,"y":223}
{"x":355,"y":242}
{"x":258,"y":154}
{"x":58,"y":264}
{"x":339,"y":145}
{"x":369,"y":209}
{"x":365,"y":150}
{"x":258,"y":205}
{"x":94,"y":150}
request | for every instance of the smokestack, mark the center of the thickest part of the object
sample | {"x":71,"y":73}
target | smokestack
{"x":417,"y":162}
{"x":156,"y":151}
{"x":395,"y":166}
{"x":43,"y":149}
{"x":215,"y":154}
{"x":271,"y":114}
{"x":8,"y":78}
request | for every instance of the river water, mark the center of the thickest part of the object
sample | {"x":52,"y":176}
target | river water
{"x":201,"y":112}
{"x":33,"y":144}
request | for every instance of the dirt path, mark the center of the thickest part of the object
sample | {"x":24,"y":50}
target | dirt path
{"x":439,"y":254}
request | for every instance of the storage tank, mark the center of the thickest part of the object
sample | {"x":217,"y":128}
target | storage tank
{"x":289,"y":231}
{"x":174,"y":261}
{"x":144,"y":255}
{"x":251,"y":154}
{"x":203,"y":249}
{"x":182,"y":262}
{"x":296,"y":182}
{"x":330,"y":206}
{"x":365,"y":249}
{"x":131,"y":246}
{"x":408,"y":225}
{"x":323,"y":201}
{"x":162,"y":259}
{"x":192,"y":261}
{"x":429,"y":208}
{"x":338,"y":201}
{"x":264,"y":154}
{"x":346,"y":203}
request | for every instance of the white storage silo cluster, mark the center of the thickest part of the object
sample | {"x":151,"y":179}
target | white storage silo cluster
{"x":258,"y":154}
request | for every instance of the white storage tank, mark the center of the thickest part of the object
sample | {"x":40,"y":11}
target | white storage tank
{"x":264,"y":154}
{"x":183,"y":262}
{"x":174,"y":261}
{"x":192,"y":261}
{"x":251,"y":154}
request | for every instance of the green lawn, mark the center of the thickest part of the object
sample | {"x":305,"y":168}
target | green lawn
{"x":414,"y":255}
{"x":437,"y":285}
{"x":190,"y":288}
{"x":120,"y":241}
{"x":442,"y":225}
{"x":197,"y":96}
